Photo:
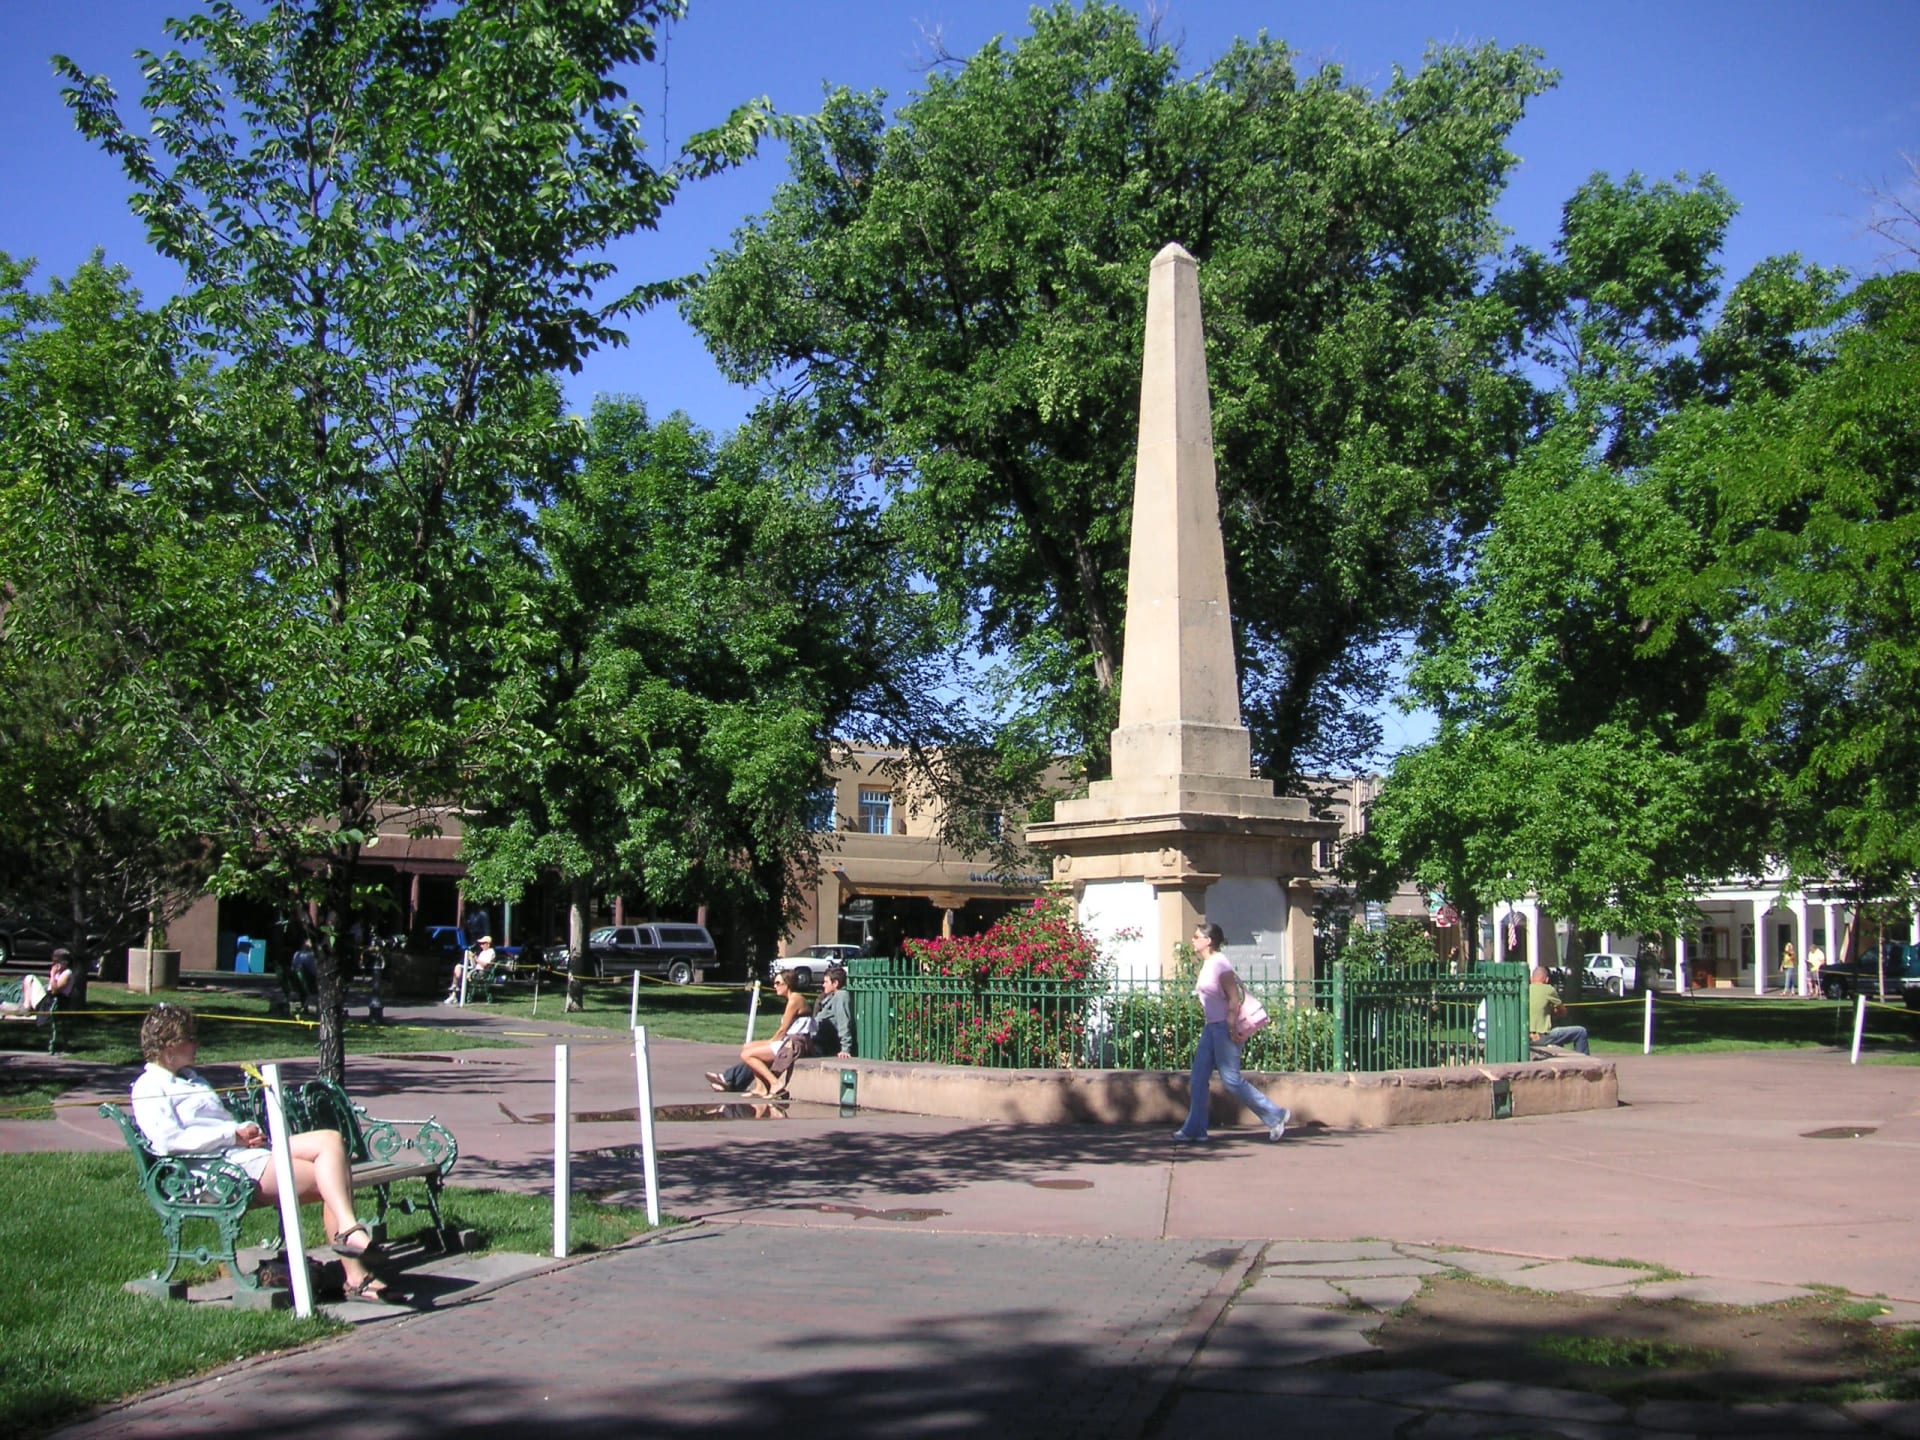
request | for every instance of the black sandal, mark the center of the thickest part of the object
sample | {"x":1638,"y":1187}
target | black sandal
{"x":340,"y":1246}
{"x":370,"y":1290}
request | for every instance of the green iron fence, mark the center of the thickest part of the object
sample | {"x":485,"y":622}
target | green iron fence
{"x":1412,"y":1017}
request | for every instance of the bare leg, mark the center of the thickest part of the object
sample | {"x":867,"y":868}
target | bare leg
{"x":317,"y":1180}
{"x":757,"y":1057}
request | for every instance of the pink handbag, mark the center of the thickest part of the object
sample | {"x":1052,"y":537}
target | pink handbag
{"x":1251,"y":1018}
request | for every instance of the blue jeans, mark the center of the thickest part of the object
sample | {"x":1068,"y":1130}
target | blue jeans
{"x":1567,"y":1037}
{"x":1218,"y":1052}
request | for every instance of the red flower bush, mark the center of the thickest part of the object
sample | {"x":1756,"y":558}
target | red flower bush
{"x":1043,"y":941}
{"x":1014,"y":996}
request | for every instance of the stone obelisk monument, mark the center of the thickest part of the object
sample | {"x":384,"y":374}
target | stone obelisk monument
{"x":1183,"y":832}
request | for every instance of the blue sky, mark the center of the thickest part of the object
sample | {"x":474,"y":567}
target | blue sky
{"x":1799,"y":108}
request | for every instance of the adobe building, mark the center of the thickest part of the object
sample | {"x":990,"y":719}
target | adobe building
{"x":885,"y":875}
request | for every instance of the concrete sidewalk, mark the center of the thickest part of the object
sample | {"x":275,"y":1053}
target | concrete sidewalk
{"x":882,"y":1274}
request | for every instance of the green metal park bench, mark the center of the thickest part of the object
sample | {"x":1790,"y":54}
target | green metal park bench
{"x":209,"y":1190}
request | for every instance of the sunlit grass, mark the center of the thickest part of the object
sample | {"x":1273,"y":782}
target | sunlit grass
{"x":70,"y":1335}
{"x":1705,"y":1025}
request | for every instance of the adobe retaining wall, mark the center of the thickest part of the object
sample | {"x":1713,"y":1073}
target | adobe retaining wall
{"x":1159,"y":1097}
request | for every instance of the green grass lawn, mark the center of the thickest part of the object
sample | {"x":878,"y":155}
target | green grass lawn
{"x":1702,"y":1024}
{"x":74,"y":1229}
{"x":234,"y":1026}
{"x":712,"y":1013}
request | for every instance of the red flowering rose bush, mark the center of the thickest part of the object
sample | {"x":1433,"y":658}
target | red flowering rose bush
{"x":1015,"y":996}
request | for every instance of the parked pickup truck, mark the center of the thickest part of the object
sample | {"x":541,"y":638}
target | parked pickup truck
{"x":683,"y":953}
{"x":1900,"y":964}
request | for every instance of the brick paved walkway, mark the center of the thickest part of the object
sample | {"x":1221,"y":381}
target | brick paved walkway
{"x":743,"y":1331}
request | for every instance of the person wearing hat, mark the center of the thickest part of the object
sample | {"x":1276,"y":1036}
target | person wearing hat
{"x":472,"y":963}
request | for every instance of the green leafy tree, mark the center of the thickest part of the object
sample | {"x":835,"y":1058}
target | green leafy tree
{"x":391,"y":220}
{"x":1816,"y":536}
{"x":91,"y":409}
{"x":955,"y":300}
{"x":714,"y":622}
{"x":1585,"y":753}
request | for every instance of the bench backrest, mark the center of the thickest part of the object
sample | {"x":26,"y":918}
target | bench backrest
{"x":316,"y":1104}
{"x":135,"y":1137}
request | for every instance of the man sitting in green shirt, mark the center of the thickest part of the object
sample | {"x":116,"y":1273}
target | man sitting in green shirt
{"x":1542,"y":1005}
{"x":833,"y":1016}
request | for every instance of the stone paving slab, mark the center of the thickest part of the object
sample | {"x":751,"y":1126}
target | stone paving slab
{"x":1272,"y":1289}
{"x":1386,"y":1292}
{"x":1574,"y":1277}
{"x":1288,"y":1252}
{"x":1896,"y":1312}
{"x":1486,"y":1264}
{"x":1535,"y":1402}
{"x":1261,"y":1338}
{"x":1706,"y":1291}
{"x":1357,"y":1269}
{"x":1699,"y":1418}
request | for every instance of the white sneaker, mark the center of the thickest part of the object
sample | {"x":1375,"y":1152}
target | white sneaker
{"x":1279,"y":1127}
{"x":1185,"y":1139}
{"x":451,"y":1000}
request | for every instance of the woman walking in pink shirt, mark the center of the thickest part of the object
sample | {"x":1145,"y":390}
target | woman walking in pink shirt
{"x":1219,"y":991}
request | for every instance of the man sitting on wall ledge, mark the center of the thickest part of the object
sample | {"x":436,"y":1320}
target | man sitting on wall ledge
{"x":1542,"y":1005}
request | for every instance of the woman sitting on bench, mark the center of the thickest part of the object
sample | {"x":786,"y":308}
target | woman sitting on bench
{"x":37,"y":994}
{"x":181,"y":1114}
{"x":770,"y":1060}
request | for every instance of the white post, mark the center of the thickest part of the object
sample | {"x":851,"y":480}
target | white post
{"x":1759,"y":946}
{"x":1646,"y":1044}
{"x":1859,"y":1026}
{"x":464,"y":967}
{"x":562,"y":1176}
{"x":643,"y":1078}
{"x":753,"y":1011}
{"x":289,"y":1194}
{"x":633,"y":1004}
{"x":1680,"y":962}
{"x":1802,"y":940}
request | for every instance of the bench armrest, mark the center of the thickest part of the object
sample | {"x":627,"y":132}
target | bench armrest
{"x":198,"y":1182}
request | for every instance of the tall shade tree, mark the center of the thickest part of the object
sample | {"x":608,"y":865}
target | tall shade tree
{"x":1816,"y":530}
{"x":955,"y":300}
{"x":391,"y":218}
{"x":715,"y":622}
{"x":1586,"y":753}
{"x":93,"y":414}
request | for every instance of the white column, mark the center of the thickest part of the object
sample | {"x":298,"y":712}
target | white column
{"x":1680,"y":961}
{"x":1805,"y":932}
{"x":1533,"y":936}
{"x":1499,"y":931}
{"x":1759,"y":946}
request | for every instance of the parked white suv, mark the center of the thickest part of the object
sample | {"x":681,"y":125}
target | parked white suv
{"x":1615,"y":974}
{"x":812,"y":964}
